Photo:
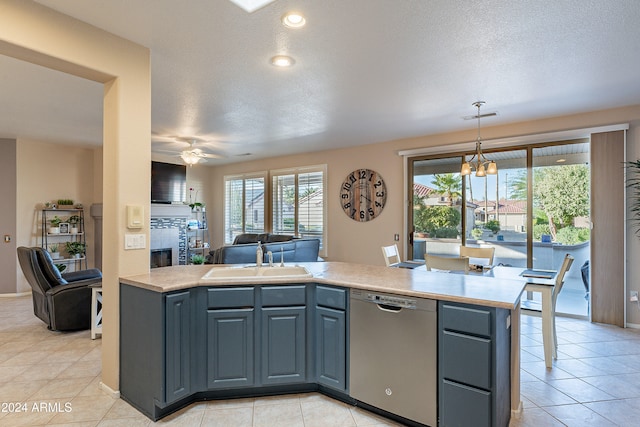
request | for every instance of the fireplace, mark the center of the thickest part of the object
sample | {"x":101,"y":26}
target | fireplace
{"x":168,"y":230}
{"x":161,"y":258}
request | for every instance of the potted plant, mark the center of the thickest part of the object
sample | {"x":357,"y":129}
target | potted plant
{"x":55,"y":225}
{"x":65,"y":203}
{"x":75,"y":249}
{"x":54,"y":251}
{"x":197,"y":259}
{"x":74,"y":220}
{"x":61,"y":267}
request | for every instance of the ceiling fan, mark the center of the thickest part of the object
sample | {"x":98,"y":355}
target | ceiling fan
{"x":191,"y":155}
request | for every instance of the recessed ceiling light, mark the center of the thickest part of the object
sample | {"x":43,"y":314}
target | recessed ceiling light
{"x":293,"y":20}
{"x":282,"y":61}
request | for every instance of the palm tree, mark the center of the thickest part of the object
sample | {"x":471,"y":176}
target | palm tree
{"x":448,"y":184}
{"x":518,"y":186}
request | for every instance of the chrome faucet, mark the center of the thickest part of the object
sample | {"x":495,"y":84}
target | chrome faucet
{"x":259,"y":255}
{"x":270,"y":255}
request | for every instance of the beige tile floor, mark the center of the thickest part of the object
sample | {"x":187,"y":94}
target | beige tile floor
{"x":594,"y":382}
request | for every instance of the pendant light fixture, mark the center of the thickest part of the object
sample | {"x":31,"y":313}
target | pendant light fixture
{"x":479,"y":162}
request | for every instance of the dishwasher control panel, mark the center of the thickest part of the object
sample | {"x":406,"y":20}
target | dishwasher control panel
{"x":392,"y":300}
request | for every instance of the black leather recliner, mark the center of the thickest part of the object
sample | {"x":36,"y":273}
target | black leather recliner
{"x":62,"y":301}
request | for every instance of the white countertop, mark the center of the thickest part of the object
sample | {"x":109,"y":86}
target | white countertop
{"x":472,"y":289}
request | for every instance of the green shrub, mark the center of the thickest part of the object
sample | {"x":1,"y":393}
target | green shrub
{"x":493,"y":225}
{"x":584,"y":234}
{"x":429,"y":219}
{"x":539,"y":230}
{"x":476,"y":233}
{"x":446,"y":233}
{"x":571,"y":235}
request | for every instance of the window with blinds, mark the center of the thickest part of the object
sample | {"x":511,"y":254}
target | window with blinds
{"x":244,"y":205}
{"x":298,"y":203}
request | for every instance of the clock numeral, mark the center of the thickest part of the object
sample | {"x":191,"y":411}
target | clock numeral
{"x":346,"y":186}
{"x":361,"y":214}
{"x":363,"y":174}
{"x":379,"y":193}
{"x":353,"y":213}
{"x":347,"y":205}
{"x":377,"y":184}
{"x":378,"y":204}
{"x":344,"y":195}
{"x":371,"y":212}
{"x":352,"y":179}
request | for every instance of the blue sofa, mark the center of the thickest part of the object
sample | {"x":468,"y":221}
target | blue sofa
{"x":295,"y":250}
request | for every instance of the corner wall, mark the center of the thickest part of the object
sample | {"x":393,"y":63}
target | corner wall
{"x":8,"y":227}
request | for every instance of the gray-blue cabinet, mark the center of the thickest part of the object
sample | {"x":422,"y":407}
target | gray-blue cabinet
{"x":331,"y":337}
{"x":474,"y":365}
{"x":230,"y":349}
{"x":283,"y":345}
{"x":283,"y":334}
{"x":177,"y":346}
{"x":230,"y":337}
{"x":230,"y":341}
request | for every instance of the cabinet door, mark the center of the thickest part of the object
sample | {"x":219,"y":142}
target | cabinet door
{"x":177,"y":346}
{"x":283,"y":345}
{"x":331,"y":347}
{"x":462,"y":405}
{"x":230,"y":348}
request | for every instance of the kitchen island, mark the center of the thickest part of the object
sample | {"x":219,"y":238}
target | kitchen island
{"x":185,"y":339}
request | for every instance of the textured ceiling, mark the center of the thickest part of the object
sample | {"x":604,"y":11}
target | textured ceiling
{"x":366,"y":70}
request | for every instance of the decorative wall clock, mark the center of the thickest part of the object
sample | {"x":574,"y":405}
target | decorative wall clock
{"x":363,"y":195}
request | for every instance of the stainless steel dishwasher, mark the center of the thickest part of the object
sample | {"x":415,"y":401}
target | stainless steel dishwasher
{"x":393,"y":354}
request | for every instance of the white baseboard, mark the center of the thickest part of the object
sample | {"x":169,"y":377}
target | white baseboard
{"x":633,"y":326}
{"x":113,"y":393}
{"x":15,"y":295}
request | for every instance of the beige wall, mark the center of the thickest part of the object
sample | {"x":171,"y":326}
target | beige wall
{"x":351,"y":241}
{"x":46,"y":173}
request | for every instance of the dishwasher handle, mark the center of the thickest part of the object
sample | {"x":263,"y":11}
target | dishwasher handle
{"x":389,"y":308}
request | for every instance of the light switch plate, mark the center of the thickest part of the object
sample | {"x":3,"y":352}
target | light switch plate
{"x":135,"y":241}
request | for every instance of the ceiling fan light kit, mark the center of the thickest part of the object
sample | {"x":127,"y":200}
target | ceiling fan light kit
{"x":190,"y":157}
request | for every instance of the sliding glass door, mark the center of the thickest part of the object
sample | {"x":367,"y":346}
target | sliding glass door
{"x":561,"y":218}
{"x":436,"y":209}
{"x":533,"y":211}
